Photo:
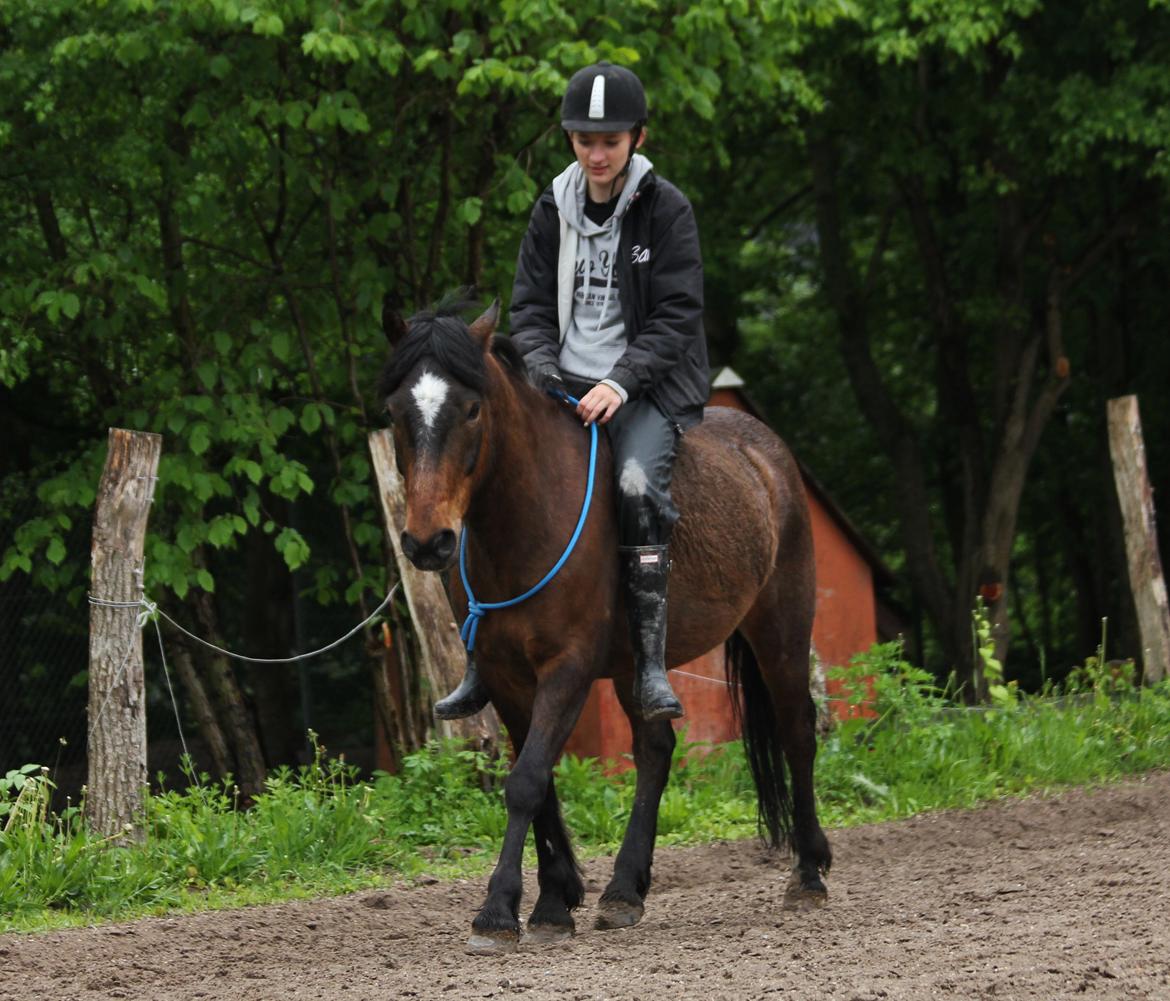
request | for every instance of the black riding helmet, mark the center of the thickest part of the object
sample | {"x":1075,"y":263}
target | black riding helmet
{"x":603,"y":98}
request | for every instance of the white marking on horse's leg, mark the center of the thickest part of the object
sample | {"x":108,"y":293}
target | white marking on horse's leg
{"x":633,"y":479}
{"x":429,"y":393}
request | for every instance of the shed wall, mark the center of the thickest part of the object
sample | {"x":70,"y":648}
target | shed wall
{"x":845,"y":624}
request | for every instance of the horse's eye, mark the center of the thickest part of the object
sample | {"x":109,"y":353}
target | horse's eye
{"x":472,"y":412}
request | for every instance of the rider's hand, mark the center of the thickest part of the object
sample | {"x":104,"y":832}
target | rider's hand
{"x":546,"y":377}
{"x":599,"y":404}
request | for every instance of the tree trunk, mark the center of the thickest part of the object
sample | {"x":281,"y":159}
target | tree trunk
{"x":117,"y":681}
{"x":898,"y":437}
{"x":1141,"y":537}
{"x":393,"y":733}
{"x":268,"y":632}
{"x":209,"y":729}
{"x":233,"y":710}
{"x":983,"y":502}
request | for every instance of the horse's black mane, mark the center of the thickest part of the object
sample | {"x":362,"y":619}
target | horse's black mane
{"x":505,"y":349}
{"x":441,"y":333}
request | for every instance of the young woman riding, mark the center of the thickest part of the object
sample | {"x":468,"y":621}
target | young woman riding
{"x":607,"y":305}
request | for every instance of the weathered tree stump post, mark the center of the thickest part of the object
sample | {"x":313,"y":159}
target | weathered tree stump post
{"x":117,"y":686}
{"x":443,"y":655}
{"x":1141,"y":539}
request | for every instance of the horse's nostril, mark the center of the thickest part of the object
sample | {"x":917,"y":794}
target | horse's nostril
{"x":443,"y":543}
{"x":409,"y":545}
{"x":433,"y":554}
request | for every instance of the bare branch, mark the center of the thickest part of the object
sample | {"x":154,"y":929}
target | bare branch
{"x":405,"y":209}
{"x":227,"y":251}
{"x":50,"y":227}
{"x":439,"y":223}
{"x":339,"y":300}
{"x":1125,"y":224}
{"x":778,"y":210}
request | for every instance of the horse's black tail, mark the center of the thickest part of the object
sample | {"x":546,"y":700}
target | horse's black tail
{"x":751,"y":703}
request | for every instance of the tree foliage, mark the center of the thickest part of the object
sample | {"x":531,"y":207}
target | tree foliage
{"x":209,"y":207}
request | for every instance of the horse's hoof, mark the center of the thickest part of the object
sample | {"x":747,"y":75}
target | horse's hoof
{"x":618,"y":914}
{"x":546,"y":935}
{"x":804,"y":895}
{"x":496,"y":943}
{"x":660,"y":712}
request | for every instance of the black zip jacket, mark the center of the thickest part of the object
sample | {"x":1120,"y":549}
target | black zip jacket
{"x":660,"y":287}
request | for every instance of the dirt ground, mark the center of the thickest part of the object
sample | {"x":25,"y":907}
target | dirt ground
{"x":1062,"y":897}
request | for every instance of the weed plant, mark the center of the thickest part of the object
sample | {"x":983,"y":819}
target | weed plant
{"x":920,"y":751}
{"x":320,"y":829}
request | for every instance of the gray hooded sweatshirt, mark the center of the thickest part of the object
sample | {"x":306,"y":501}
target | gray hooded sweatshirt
{"x":593,"y":334}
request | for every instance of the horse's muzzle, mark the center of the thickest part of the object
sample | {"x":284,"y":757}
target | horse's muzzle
{"x":436,"y":553}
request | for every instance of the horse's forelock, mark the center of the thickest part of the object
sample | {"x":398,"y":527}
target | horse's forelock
{"x":440,"y":335}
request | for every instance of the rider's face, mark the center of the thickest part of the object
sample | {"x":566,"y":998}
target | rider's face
{"x":602,"y":155}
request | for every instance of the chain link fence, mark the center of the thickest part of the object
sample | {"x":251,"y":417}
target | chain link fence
{"x":44,"y":650}
{"x":44,"y":655}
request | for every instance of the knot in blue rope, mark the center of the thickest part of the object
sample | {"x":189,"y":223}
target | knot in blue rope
{"x":476,"y":610}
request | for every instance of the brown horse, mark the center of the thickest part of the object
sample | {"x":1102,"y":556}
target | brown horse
{"x":479,"y":447}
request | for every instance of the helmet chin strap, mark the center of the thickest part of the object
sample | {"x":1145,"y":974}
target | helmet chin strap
{"x":629,"y":162}
{"x":629,"y":158}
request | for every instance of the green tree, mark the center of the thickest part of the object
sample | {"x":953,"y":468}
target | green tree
{"x":975,"y":171}
{"x":209,"y":208}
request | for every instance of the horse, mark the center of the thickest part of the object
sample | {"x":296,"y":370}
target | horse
{"x":481,"y":449}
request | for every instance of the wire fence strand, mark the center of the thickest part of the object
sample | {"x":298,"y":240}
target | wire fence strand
{"x":150,"y":612}
{"x":150,"y":609}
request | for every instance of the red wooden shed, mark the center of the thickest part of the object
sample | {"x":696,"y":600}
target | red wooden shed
{"x":850,"y":577}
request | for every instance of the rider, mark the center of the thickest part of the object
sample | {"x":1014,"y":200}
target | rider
{"x":607,"y":303}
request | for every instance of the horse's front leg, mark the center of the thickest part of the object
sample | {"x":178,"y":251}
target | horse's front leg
{"x":560,"y":696}
{"x":562,"y":890}
{"x":623,"y":901}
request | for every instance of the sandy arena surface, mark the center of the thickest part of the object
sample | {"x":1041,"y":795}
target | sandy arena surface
{"x":1060,"y":897}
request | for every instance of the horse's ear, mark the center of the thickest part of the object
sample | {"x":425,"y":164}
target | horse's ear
{"x":483,"y":328}
{"x":393,"y":325}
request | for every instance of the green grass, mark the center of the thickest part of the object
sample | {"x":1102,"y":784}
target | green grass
{"x":922,"y":752}
{"x":319,"y":831}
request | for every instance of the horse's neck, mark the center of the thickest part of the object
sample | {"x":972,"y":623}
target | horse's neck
{"x":522,"y":515}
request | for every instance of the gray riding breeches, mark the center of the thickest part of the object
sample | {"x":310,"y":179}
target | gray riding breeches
{"x":644,"y":444}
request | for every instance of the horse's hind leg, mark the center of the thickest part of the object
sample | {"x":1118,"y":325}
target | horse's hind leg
{"x":622,"y":903}
{"x":779,"y":632}
{"x":813,"y":856}
{"x":561,"y":888}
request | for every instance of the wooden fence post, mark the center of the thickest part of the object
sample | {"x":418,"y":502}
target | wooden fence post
{"x":117,"y":687}
{"x":1141,"y":539}
{"x":443,"y":654}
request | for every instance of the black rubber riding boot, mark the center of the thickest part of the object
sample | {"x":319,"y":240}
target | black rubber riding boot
{"x":644,"y":573}
{"x":468,"y":699}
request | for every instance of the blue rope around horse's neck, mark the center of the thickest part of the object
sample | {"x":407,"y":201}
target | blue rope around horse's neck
{"x":477,"y":610}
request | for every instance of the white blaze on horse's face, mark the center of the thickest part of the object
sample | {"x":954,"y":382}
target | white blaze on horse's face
{"x":429,"y":394}
{"x":438,"y":435}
